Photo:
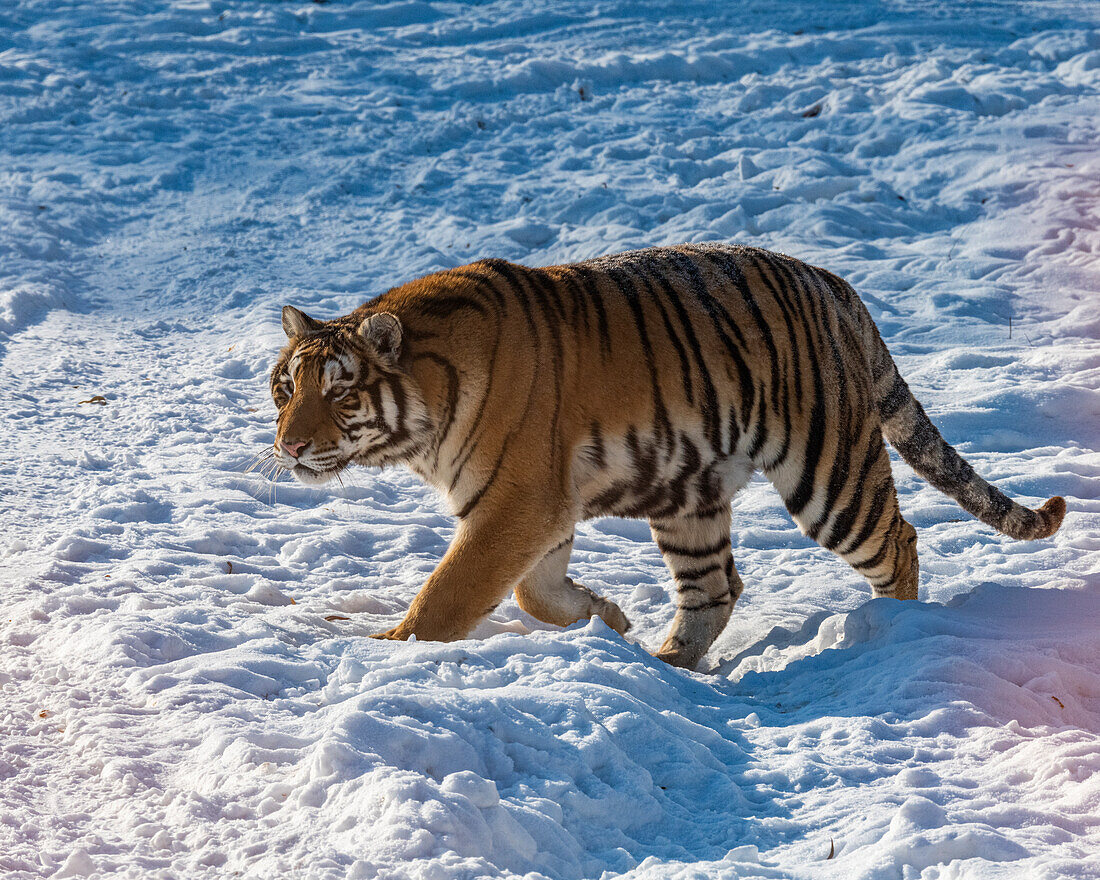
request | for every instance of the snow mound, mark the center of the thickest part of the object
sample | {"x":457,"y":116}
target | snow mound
{"x":23,"y":304}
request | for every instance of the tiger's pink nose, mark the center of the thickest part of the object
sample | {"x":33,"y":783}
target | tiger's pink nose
{"x":292,"y":449}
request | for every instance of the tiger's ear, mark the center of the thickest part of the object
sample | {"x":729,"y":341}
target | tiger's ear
{"x":382,"y":331}
{"x":298,"y":323}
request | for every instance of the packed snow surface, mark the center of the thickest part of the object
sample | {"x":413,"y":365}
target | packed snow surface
{"x":186,"y":686}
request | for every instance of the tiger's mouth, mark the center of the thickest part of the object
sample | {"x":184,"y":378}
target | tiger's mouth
{"x":312,"y":476}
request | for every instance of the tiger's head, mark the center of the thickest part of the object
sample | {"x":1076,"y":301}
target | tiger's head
{"x":344,"y":397}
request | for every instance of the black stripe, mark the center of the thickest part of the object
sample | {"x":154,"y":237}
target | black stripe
{"x":848,"y":424}
{"x":889,"y":540}
{"x":374,"y":390}
{"x":466,"y":449}
{"x":895,"y":398}
{"x":630,"y":294}
{"x":734,"y":432}
{"x":815,"y":439}
{"x":514,"y":289}
{"x":709,"y":407}
{"x":674,"y":338}
{"x":477,"y":496}
{"x":606,"y":500}
{"x":590,"y":285}
{"x":874,"y":514}
{"x":694,"y":574}
{"x":760,"y":435}
{"x":732,"y":270}
{"x":554,"y":316}
{"x":785,"y":409}
{"x":842,"y":526}
{"x":717,"y":312}
{"x":765,"y":273}
{"x":708,"y":486}
{"x":780,"y":290}
{"x":484,"y":281}
{"x":703,"y":513}
{"x":441,"y":305}
{"x":645,"y":461}
{"x":549,"y":288}
{"x":677,"y":487}
{"x":725,"y":599}
{"x":599,"y":454}
{"x":580,"y":303}
{"x":559,"y":545}
{"x":693,"y":553}
{"x":446,"y":421}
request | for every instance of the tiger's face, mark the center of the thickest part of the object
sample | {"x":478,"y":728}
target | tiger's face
{"x":343,"y":397}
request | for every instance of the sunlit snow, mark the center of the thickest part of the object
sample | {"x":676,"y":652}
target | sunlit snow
{"x":186,"y":686}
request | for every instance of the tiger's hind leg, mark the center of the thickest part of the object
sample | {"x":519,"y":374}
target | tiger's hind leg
{"x":859,"y":520}
{"x":550,"y":595}
{"x":696,"y":548}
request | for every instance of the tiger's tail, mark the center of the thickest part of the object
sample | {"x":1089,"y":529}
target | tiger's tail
{"x":909,"y":430}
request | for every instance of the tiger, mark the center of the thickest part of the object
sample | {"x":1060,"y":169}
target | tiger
{"x":649,"y":384}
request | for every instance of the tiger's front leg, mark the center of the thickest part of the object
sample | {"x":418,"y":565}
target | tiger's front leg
{"x":491,"y":551}
{"x":549,"y":594}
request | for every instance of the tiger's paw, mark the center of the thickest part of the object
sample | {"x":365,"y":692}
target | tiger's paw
{"x":612,"y":615}
{"x":394,"y":634}
{"x":677,"y":653}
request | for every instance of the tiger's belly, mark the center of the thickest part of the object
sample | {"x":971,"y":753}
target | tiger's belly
{"x":655,"y":476}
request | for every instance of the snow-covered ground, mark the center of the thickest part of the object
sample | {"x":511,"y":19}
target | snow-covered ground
{"x":186,"y":689}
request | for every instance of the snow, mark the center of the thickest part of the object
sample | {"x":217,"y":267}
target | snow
{"x":186,"y":689}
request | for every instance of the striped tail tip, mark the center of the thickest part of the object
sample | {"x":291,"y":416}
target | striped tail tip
{"x":1050,"y":516}
{"x":1025,"y":524}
